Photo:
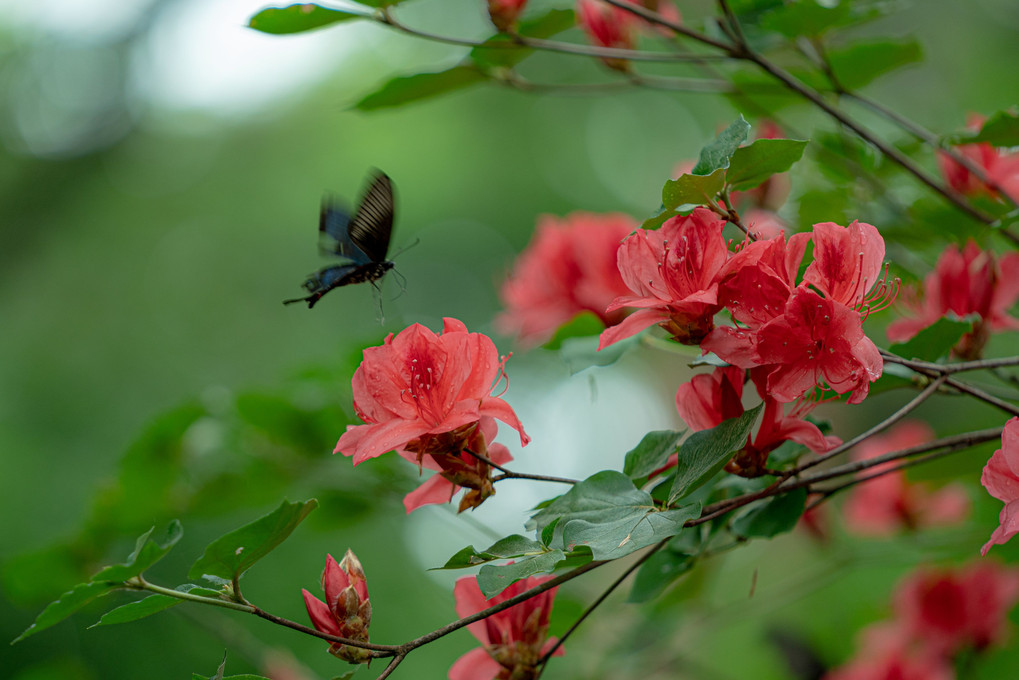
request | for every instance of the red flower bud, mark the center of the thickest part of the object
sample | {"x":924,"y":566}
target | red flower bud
{"x":346,"y":612}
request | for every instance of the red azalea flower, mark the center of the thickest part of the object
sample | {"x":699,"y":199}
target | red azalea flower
{"x":952,"y":610}
{"x":513,"y":640}
{"x":425,"y":392}
{"x":346,"y":612}
{"x":607,"y":26}
{"x":887,"y":503}
{"x":817,"y":339}
{"x":708,"y":399}
{"x":847,"y":263}
{"x":1001,"y":479}
{"x":888,"y":653}
{"x":973,"y":281}
{"x":1000,"y":167}
{"x":504,"y":13}
{"x":671,"y":273}
{"x":459,"y":470}
{"x":569,"y":267}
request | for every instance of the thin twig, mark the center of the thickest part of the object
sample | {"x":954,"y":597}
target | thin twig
{"x":397,"y":660}
{"x":905,"y":410}
{"x":543,"y":661}
{"x":949,"y":369}
{"x":978,"y":393}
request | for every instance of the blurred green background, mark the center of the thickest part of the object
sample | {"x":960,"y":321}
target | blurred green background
{"x":162,"y":167}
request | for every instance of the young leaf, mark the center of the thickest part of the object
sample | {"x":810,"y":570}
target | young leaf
{"x":858,"y":64}
{"x":659,"y":219}
{"x":493,"y":579}
{"x":146,"y":553}
{"x":298,"y":18}
{"x":467,"y":557}
{"x":651,"y":453}
{"x":583,"y":325}
{"x":692,"y":189}
{"x":511,"y":546}
{"x":69,"y":602}
{"x":707,"y":451}
{"x":717,"y":154}
{"x":231,"y":555}
{"x":807,"y":18}
{"x":775,"y":516}
{"x":936,"y":340}
{"x":753,"y":164}
{"x":406,"y":89}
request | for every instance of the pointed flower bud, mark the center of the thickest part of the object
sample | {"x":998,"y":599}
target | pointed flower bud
{"x":346,"y":611}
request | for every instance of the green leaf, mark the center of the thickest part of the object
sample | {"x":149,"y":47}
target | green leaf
{"x":406,"y":89}
{"x":1001,"y":129}
{"x":692,"y":189}
{"x":511,"y":546}
{"x":137,"y":610}
{"x":716,"y":155}
{"x":621,"y":531}
{"x":775,"y":516}
{"x":658,"y":220}
{"x":146,"y":553}
{"x":69,"y":602}
{"x":231,"y":555}
{"x":752,"y":165}
{"x":583,"y":325}
{"x":548,"y":533}
{"x":706,"y":452}
{"x":493,"y":579}
{"x":665,"y":566}
{"x":609,"y":515}
{"x":651,"y":453}
{"x":937,"y":340}
{"x":545,"y":26}
{"x":805,"y":18}
{"x":298,"y":18}
{"x":582,"y":353}
{"x":860,"y":63}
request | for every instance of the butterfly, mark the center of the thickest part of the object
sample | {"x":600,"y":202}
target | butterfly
{"x":362,"y":240}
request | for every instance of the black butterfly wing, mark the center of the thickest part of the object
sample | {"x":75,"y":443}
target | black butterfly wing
{"x":372,"y":224}
{"x":334,"y":233}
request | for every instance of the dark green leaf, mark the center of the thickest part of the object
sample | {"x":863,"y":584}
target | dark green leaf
{"x":406,"y":89}
{"x":651,"y":453}
{"x":69,"y":602}
{"x":707,"y":451}
{"x":664,"y":567}
{"x":553,"y":22}
{"x":935,"y":341}
{"x":692,"y":189}
{"x":467,"y":557}
{"x":137,"y":610}
{"x":146,"y":553}
{"x":493,"y":579}
{"x":774,"y":516}
{"x":716,"y":155}
{"x":1001,"y":129}
{"x":231,"y":555}
{"x":858,"y":64}
{"x":298,"y":18}
{"x":751,"y":165}
{"x":548,"y":533}
{"x":582,"y":325}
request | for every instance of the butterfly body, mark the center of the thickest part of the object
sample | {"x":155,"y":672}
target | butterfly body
{"x":361,"y":240}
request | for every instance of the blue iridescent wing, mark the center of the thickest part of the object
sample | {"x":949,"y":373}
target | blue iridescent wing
{"x":372,"y":224}
{"x":334,"y":233}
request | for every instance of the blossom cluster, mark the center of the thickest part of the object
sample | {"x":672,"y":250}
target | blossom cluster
{"x":940,"y":615}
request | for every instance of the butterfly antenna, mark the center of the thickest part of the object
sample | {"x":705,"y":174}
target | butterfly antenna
{"x":405,"y":248}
